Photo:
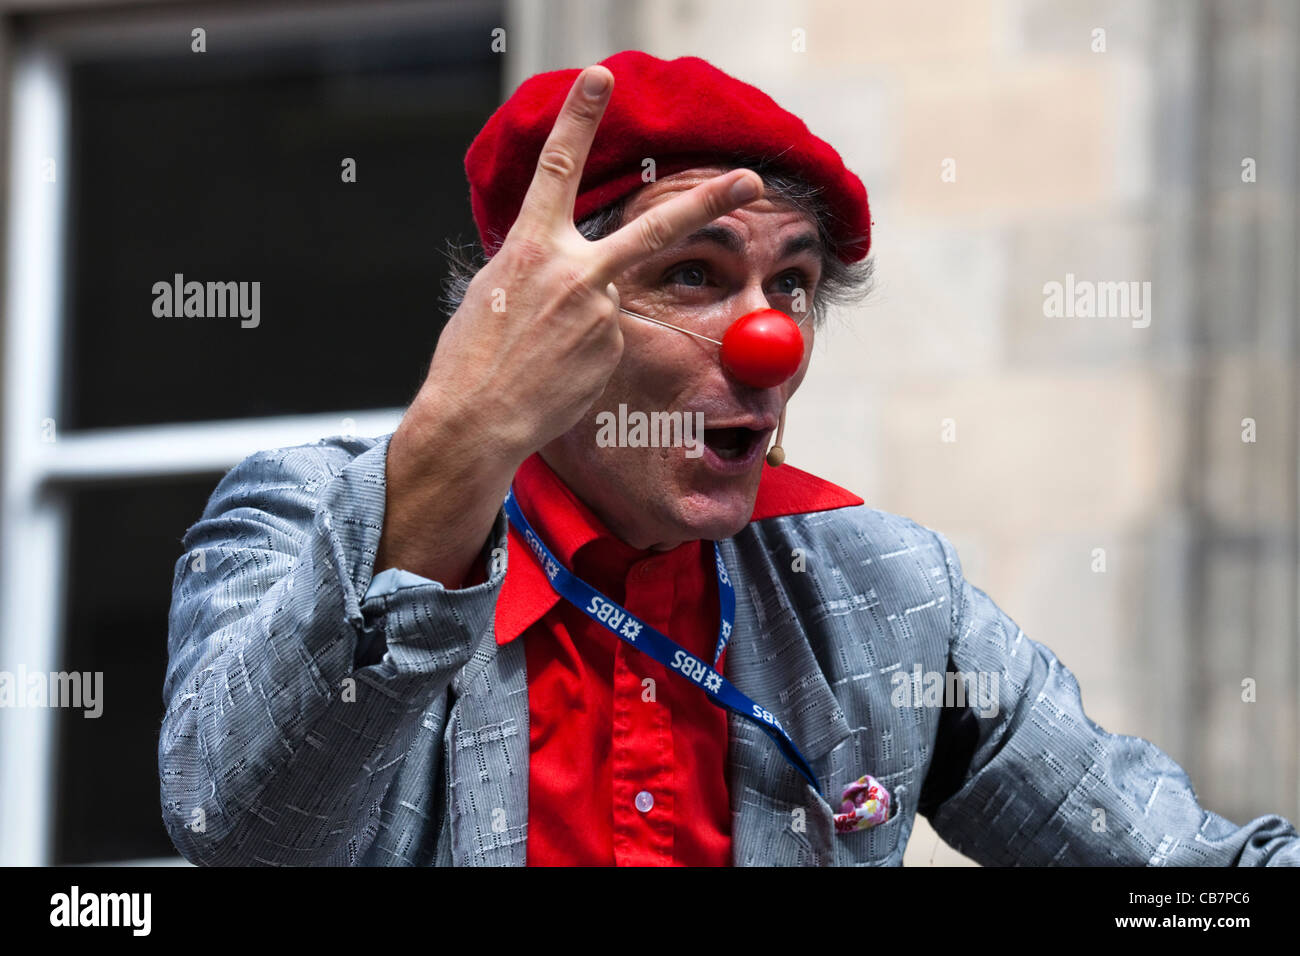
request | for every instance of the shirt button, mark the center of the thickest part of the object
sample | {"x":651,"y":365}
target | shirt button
{"x":644,"y":801}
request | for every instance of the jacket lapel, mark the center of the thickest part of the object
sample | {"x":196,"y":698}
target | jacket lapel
{"x":778,"y":818}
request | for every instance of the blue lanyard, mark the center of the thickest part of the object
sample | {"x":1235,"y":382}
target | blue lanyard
{"x":626,"y":626}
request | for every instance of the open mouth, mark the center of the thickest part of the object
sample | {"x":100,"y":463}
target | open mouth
{"x":731,"y":443}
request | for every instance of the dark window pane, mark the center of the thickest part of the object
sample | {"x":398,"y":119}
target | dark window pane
{"x":225,"y":167}
{"x":124,"y":541}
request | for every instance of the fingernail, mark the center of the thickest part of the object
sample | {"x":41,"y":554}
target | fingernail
{"x":744,"y":189}
{"x":594,"y":83}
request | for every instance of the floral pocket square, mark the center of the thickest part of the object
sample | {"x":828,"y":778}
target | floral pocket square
{"x":863,"y":804}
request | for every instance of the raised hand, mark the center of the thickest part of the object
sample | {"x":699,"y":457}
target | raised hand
{"x":530,"y":348}
{"x":538,"y":334}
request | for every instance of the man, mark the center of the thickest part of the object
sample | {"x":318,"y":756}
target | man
{"x":657,"y":652}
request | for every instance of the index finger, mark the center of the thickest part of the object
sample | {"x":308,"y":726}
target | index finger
{"x":662,"y":225}
{"x":554,"y":187}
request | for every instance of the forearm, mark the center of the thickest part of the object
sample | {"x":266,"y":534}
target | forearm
{"x":1045,"y":785}
{"x":447,"y":474}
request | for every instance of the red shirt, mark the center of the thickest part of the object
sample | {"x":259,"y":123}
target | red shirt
{"x":627,"y":762}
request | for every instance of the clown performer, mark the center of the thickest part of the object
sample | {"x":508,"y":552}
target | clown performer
{"x":559,"y":616}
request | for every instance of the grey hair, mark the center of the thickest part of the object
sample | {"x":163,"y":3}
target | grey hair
{"x":841,"y":283}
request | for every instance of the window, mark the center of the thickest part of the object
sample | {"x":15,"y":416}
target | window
{"x":136,"y":159}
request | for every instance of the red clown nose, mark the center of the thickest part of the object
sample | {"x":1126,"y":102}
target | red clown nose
{"x":762,"y":349}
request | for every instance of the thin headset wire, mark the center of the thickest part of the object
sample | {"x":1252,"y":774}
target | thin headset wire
{"x":678,"y":328}
{"x":668,"y":325}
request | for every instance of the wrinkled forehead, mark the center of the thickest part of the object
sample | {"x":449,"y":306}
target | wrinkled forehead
{"x":784,"y":214}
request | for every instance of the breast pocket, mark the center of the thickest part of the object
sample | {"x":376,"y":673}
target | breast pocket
{"x":881,"y":845}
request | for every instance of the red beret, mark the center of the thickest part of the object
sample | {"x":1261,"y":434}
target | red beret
{"x":683,"y":113}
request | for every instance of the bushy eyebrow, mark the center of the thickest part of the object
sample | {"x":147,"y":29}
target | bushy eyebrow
{"x":730,"y":240}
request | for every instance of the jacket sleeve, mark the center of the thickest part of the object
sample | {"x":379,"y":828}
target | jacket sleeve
{"x":291,"y":697}
{"x":1034,"y":782}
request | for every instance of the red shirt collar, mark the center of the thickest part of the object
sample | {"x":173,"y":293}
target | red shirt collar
{"x":569,"y":527}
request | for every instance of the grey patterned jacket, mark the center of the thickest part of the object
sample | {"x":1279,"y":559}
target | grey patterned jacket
{"x":307,"y":724}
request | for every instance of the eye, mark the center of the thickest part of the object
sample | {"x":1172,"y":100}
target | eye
{"x":690,"y":274}
{"x":787,"y":283}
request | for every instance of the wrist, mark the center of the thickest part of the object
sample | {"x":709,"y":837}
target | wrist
{"x":444,"y":432}
{"x":445,"y":482}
